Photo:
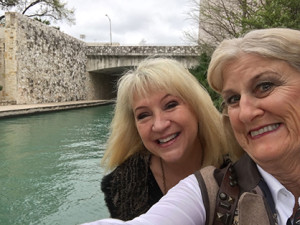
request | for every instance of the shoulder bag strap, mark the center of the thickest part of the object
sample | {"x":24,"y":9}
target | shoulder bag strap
{"x":209,"y":189}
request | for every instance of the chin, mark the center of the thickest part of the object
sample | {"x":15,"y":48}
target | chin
{"x":173,"y":158}
{"x":265,"y":155}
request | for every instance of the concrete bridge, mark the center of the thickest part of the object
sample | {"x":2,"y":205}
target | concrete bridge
{"x":114,"y":59}
{"x":40,"y":64}
{"x":105,"y":64}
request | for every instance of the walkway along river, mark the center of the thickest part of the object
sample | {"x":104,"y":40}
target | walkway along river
{"x":50,"y":167}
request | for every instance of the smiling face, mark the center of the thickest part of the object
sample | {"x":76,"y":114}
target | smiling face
{"x":167,"y":126}
{"x":263,"y":100}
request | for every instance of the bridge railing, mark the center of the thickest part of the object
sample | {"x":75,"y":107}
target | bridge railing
{"x":143,"y":50}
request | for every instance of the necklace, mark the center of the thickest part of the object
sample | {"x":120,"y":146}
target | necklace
{"x":163,"y":176}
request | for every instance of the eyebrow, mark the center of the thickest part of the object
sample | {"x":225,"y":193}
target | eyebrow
{"x":141,"y":107}
{"x":253,"y":79}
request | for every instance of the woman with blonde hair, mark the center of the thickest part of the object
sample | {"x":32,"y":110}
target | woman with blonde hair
{"x":165,"y":127}
{"x":258,"y":76}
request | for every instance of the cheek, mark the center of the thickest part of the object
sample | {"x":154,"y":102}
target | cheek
{"x":237,"y":127}
{"x":144,"y":131}
{"x":292,"y":119}
{"x":234,"y":120}
{"x":193,"y":125}
{"x":140,"y":130}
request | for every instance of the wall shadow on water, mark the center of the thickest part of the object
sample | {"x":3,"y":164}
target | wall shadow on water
{"x":50,"y":167}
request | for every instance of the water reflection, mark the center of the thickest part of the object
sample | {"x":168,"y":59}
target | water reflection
{"x":49,"y":167}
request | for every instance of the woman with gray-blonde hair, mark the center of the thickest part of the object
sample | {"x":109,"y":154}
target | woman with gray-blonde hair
{"x":165,"y":127}
{"x":258,"y":77}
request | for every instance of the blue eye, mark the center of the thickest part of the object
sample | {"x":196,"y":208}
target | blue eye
{"x":264,"y":86}
{"x":233,"y":99}
{"x":263,"y":89}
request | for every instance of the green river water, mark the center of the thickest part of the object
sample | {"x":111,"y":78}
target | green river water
{"x":50,"y":167}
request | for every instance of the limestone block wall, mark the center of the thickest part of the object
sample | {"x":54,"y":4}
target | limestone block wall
{"x":42,"y":64}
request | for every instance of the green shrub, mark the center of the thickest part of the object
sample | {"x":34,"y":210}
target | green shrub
{"x":200,"y":72}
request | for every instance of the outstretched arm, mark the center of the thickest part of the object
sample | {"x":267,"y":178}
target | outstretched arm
{"x":182,"y":204}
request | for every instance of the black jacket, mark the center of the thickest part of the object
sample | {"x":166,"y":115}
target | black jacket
{"x":131,"y":189}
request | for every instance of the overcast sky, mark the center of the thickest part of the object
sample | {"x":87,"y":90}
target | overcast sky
{"x":157,"y":22}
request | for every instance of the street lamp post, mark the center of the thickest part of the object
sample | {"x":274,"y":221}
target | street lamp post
{"x":109,"y":28}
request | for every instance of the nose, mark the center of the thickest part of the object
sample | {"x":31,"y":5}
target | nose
{"x":249,"y":108}
{"x":160,"y":122}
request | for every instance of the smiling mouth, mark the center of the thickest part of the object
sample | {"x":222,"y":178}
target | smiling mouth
{"x":165,"y":140}
{"x":264,"y":130}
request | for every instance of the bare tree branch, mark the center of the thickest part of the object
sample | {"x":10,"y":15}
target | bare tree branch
{"x":53,"y":10}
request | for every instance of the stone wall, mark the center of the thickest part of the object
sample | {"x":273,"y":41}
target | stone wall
{"x":42,"y":63}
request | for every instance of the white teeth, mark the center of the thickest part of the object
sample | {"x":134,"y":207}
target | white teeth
{"x":167,"y":139}
{"x":265,"y":129}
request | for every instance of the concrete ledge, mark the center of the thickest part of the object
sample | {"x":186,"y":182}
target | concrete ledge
{"x":19,"y":110}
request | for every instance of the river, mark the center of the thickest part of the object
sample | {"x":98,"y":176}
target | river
{"x":50,"y":169}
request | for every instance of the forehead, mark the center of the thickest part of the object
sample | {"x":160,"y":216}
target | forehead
{"x":247,"y":62}
{"x":148,"y":90}
{"x":249,"y":66}
{"x":153,"y":98}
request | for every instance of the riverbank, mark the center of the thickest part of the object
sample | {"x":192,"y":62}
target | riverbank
{"x":19,"y":110}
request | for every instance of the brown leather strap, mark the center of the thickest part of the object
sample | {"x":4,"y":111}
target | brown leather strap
{"x":227,"y":197}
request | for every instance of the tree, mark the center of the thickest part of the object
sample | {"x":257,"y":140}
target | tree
{"x":43,"y":10}
{"x":275,"y":13}
{"x":200,"y":72}
{"x":222,"y":19}
{"x":8,"y":3}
